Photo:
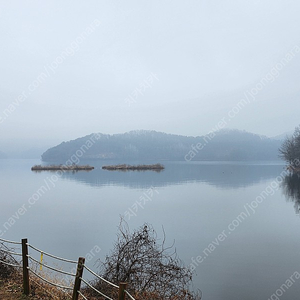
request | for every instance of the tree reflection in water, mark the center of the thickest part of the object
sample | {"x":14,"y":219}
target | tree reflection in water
{"x":291,"y":189}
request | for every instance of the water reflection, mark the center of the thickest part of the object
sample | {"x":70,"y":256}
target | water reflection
{"x":291,"y":189}
{"x":223,"y":175}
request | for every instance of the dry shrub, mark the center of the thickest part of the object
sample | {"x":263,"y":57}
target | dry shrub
{"x":7,"y":271}
{"x":152,"y":270}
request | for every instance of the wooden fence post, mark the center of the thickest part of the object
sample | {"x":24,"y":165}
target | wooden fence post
{"x":122,"y":288}
{"x":78,"y":277}
{"x":26,"y":289}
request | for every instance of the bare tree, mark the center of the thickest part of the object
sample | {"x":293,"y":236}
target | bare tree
{"x":152,"y":270}
{"x":287,"y":151}
{"x":290,"y":148}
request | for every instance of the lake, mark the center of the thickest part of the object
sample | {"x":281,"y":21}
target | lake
{"x":233,"y":222}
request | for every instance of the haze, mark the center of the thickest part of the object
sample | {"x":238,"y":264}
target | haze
{"x":77,"y":62}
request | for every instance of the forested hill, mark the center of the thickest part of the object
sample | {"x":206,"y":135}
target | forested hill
{"x":152,"y":145}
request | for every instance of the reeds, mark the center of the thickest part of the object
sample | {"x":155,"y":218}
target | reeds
{"x":124,"y":167}
{"x":62,"y":168}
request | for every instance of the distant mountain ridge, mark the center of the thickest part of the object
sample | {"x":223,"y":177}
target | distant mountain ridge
{"x":222,"y":145}
{"x":283,"y":135}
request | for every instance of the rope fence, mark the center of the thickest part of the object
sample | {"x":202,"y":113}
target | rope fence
{"x":97,"y":291}
{"x":24,"y":264}
{"x":11,"y":253}
{"x":129,"y":295}
{"x":51,"y":255}
{"x":49,"y":282}
{"x":10,"y":242}
{"x":8,"y":264}
{"x":99,"y":277}
{"x":51,"y":268}
{"x":82,"y":295}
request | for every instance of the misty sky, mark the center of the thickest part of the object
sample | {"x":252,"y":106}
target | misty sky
{"x":68,"y":68}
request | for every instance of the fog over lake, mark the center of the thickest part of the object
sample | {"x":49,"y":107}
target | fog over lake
{"x":194,"y":202}
{"x":210,"y":89}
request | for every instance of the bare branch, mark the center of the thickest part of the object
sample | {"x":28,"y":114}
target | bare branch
{"x":147,"y":265}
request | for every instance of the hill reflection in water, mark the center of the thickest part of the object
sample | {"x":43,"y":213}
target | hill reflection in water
{"x":219,"y":174}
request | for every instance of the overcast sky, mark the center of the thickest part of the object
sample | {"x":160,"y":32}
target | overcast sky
{"x":71,"y":68}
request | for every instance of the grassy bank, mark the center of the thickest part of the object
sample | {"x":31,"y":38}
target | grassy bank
{"x":11,"y":288}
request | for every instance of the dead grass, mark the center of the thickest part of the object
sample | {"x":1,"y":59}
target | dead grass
{"x":12,"y":288}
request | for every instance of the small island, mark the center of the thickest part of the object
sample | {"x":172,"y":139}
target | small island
{"x":62,"y":168}
{"x":124,"y":167}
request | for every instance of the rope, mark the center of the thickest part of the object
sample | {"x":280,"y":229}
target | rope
{"x":112,"y":284}
{"x":49,"y":282}
{"x":51,"y":255}
{"x":82,"y":295}
{"x":53,"y":269}
{"x":12,"y":265}
{"x":7,"y":241}
{"x":10,"y":252}
{"x":129,"y":295}
{"x":95,"y":289}
{"x":8,"y":249}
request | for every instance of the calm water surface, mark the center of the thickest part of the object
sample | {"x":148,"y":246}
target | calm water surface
{"x":194,"y":202}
